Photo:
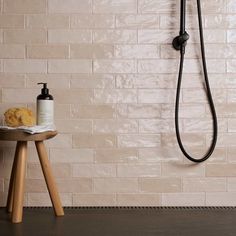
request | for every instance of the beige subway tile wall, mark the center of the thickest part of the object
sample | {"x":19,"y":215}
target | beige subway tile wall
{"x":112,"y":70}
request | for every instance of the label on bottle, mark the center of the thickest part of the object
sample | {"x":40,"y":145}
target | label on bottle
{"x":45,"y":112}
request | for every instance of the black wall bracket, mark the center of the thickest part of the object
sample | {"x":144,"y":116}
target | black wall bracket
{"x":180,"y":40}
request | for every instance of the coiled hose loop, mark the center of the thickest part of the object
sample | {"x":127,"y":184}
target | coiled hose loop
{"x":207,"y":89}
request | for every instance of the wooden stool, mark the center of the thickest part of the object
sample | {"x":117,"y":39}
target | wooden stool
{"x":16,"y":186}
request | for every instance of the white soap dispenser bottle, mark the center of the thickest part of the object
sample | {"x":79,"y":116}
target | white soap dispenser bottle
{"x":45,"y":107}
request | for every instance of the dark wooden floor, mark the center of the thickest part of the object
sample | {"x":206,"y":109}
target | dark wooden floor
{"x":123,"y":222}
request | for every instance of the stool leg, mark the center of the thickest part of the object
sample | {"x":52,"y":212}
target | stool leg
{"x":51,"y":185}
{"x":18,"y":197}
{"x":11,"y":184}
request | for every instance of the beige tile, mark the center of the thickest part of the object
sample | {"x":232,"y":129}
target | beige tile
{"x":74,"y":185}
{"x":48,"y":51}
{"x":92,"y":111}
{"x":204,"y":185}
{"x":12,"y":51}
{"x":115,"y":185}
{"x":5,"y":170}
{"x":136,"y":51}
{"x":182,"y":169}
{"x":218,"y":156}
{"x":47,"y":21}
{"x":74,"y":126}
{"x":1,"y":35}
{"x":89,"y":51}
{"x":35,"y":186}
{"x":73,"y":96}
{"x":214,"y":66}
{"x":231,"y":36}
{"x":231,"y":97}
{"x":25,"y":66}
{"x":69,"y":66}
{"x":60,"y":141}
{"x":115,"y":126}
{"x":199,"y":96}
{"x":231,"y":184}
{"x":59,"y":170}
{"x":224,"y":139}
{"x":219,"y":21}
{"x":70,"y":6}
{"x":183,"y":199}
{"x":156,"y":125}
{"x":154,"y":36}
{"x":231,"y":66}
{"x":26,"y":36}
{"x":92,"y":81}
{"x":113,"y":6}
{"x":55,"y":81}
{"x":157,"y":66}
{"x":116,"y":155}
{"x":69,"y":36}
{"x":94,"y":141}
{"x":94,"y":170}
{"x":137,"y":21}
{"x":169,"y":21}
{"x":114,"y":66}
{"x":190,"y":110}
{"x":114,"y":36}
{"x":22,"y":95}
{"x":221,"y":170}
{"x":12,"y":21}
{"x":144,"y":81}
{"x":152,"y":6}
{"x":231,"y":125}
{"x":220,"y":199}
{"x":34,"y":171}
{"x":158,"y":154}
{"x":218,"y":6}
{"x":160,"y":185}
{"x":138,"y":170}
{"x":92,"y":21}
{"x":12,"y":80}
{"x":155,"y":96}
{"x":203,"y":125}
{"x":115,"y":96}
{"x":231,"y":154}
{"x":61,"y":111}
{"x":210,"y":36}
{"x":139,"y":140}
{"x":1,"y":185}
{"x":71,"y":155}
{"x":25,"y":6}
{"x":231,"y":6}
{"x":138,"y":199}
{"x":94,"y":200}
{"x":138,"y":111}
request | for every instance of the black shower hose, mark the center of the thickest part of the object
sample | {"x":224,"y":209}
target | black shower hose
{"x":208,"y":93}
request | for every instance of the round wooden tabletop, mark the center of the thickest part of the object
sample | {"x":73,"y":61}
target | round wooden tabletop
{"x":19,"y":135}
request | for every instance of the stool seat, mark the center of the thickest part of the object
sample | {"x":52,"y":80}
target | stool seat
{"x":16,"y":185}
{"x":19,"y":135}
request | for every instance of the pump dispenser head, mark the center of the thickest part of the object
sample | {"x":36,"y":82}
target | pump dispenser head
{"x":44,"y":90}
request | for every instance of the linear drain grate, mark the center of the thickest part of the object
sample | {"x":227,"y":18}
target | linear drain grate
{"x":139,"y":208}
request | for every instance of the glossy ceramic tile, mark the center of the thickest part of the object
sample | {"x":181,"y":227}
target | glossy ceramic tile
{"x":112,"y":71}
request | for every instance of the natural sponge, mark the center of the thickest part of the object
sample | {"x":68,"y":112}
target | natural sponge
{"x":15,"y":117}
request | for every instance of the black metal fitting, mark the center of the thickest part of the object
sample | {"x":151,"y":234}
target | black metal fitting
{"x":180,"y":41}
